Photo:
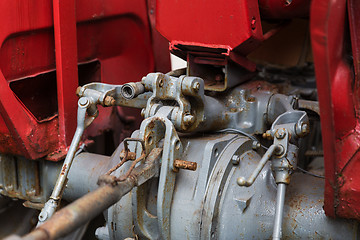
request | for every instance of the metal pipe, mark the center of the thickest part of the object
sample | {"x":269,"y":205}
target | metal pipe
{"x":279,"y":209}
{"x":86,"y":208}
{"x":241,"y":181}
{"x":81,"y":211}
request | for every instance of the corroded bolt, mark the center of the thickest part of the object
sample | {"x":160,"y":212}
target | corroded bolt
{"x":305,"y":128}
{"x":280,"y":133}
{"x":196,"y":86}
{"x":109,"y":101}
{"x":78,"y":91}
{"x":184,"y":165}
{"x":267,"y":135}
{"x":188,"y":119}
{"x":279,"y":150}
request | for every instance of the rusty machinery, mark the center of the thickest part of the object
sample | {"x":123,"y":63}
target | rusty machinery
{"x":222,"y":145}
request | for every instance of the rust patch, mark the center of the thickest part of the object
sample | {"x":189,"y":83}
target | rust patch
{"x":63,"y":169}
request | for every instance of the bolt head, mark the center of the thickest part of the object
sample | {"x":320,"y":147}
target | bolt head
{"x":78,"y":91}
{"x":279,"y":150}
{"x":256,"y":145}
{"x":235,"y":159}
{"x":109,"y":101}
{"x":241,"y":181}
{"x":189,"y":119}
{"x":280,"y":133}
{"x":305,"y":128}
{"x":253,"y":23}
{"x":196,"y":87}
{"x":83,"y":101}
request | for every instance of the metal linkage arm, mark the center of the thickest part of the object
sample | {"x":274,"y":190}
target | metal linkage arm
{"x":241,"y":181}
{"x":82,"y":122}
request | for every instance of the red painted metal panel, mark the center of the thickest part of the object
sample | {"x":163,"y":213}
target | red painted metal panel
{"x":230,"y":25}
{"x":339,"y":103}
{"x":66,"y":65}
{"x":114,"y":33}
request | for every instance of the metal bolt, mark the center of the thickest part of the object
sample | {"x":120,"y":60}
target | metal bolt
{"x":187,"y":165}
{"x":305,"y":128}
{"x":253,"y":23}
{"x":241,"y":181}
{"x":83,"y":101}
{"x":267,"y":135}
{"x":161,"y":82}
{"x":143,"y":112}
{"x":279,"y":150}
{"x":196,"y":86}
{"x":109,"y":101}
{"x":280,"y":133}
{"x":78,"y":91}
{"x":235,"y":159}
{"x":189,"y":119}
{"x":256,"y":145}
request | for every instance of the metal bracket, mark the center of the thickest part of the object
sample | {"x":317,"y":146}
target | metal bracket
{"x":155,"y":131}
{"x":167,"y":90}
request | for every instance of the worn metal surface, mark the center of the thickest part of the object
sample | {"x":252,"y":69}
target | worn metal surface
{"x":79,"y":212}
{"x":186,"y":94}
{"x":339,"y":103}
{"x":208,"y":204}
{"x":248,"y":107}
{"x":20,"y":178}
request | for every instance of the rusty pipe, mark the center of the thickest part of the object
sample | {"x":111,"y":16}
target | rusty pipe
{"x":86,"y":208}
{"x":81,"y":211}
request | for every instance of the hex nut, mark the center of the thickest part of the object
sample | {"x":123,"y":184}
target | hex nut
{"x":280,"y":133}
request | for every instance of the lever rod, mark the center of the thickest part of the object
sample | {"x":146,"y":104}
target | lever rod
{"x":279,"y":209}
{"x":241,"y":181}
